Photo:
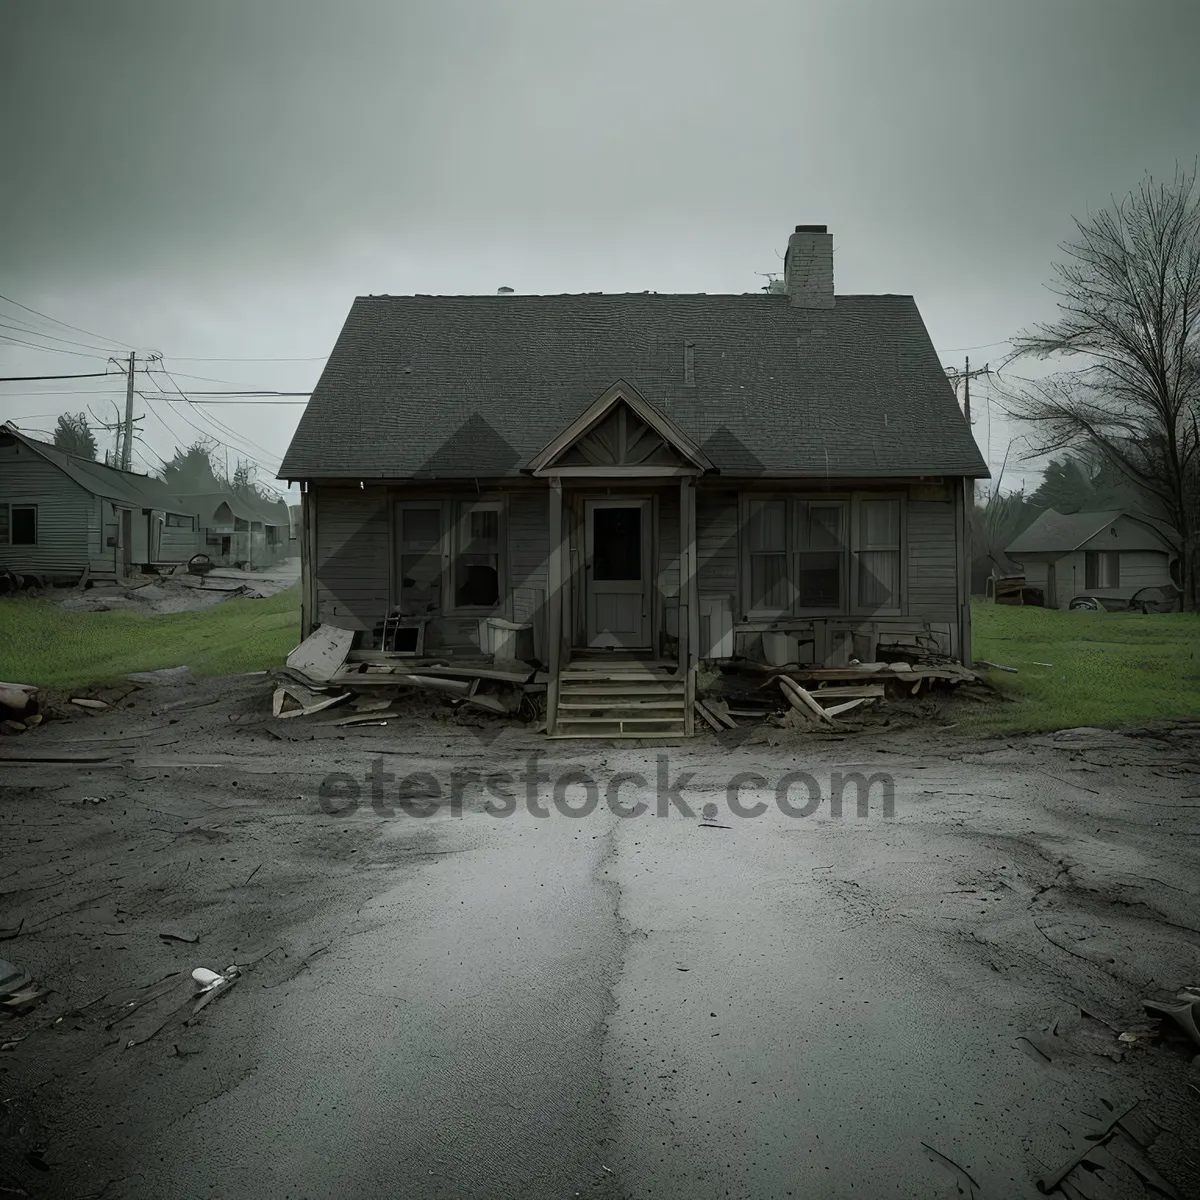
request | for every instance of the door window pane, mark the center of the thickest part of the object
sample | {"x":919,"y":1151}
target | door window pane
{"x":617,"y":543}
{"x":477,"y":562}
{"x":768,"y":582}
{"x":420,"y":561}
{"x":420,"y":528}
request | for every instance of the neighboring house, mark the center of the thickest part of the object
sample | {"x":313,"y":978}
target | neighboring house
{"x":60,"y":515}
{"x":274,"y":528}
{"x":649,"y":479}
{"x":1109,"y":555}
{"x":242,"y":531}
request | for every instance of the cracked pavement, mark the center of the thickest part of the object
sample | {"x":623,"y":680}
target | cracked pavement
{"x":690,"y":1005}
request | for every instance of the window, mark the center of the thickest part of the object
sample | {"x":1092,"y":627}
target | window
{"x":821,"y":556}
{"x":476,"y":565}
{"x":1102,"y":568}
{"x":766,"y":538}
{"x":18,"y":524}
{"x":179,"y":522}
{"x":805,"y":557}
{"x":878,"y":555}
{"x":419,"y":531}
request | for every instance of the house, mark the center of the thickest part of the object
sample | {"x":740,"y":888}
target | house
{"x":61,"y":515}
{"x":645,"y":482}
{"x":1109,"y":555}
{"x":242,"y":531}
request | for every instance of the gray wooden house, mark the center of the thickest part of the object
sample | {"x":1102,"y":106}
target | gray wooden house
{"x":61,"y":515}
{"x":635,"y":484}
{"x":242,"y":531}
{"x":1109,"y":555}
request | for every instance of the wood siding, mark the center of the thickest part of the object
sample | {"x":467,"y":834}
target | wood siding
{"x":932,"y":560}
{"x":717,"y":544}
{"x":63,"y":511}
{"x":353,"y":556}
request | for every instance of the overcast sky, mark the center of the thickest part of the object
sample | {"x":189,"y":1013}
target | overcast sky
{"x":218,"y":180}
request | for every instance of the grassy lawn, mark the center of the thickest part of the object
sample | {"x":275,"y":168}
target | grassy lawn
{"x":52,"y":647}
{"x":1107,"y":669}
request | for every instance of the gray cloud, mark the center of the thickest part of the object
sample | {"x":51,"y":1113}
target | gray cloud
{"x":222,"y":178}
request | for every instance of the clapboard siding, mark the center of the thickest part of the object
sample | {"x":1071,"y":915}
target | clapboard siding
{"x":63,"y":509}
{"x":528,"y":516}
{"x":717,"y":543}
{"x":667,"y":573}
{"x":177,"y":543}
{"x":932,"y":560}
{"x":353,"y":556}
{"x":1144,"y":568}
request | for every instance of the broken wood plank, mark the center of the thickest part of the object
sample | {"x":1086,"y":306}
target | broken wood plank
{"x":84,"y":702}
{"x":374,"y":717}
{"x":793,"y":689}
{"x":492,"y":704}
{"x":835,"y":709}
{"x":720,"y":710}
{"x":708,"y":717}
{"x":322,"y":654}
{"x":307,"y":702}
{"x":871,"y":691}
{"x":51,"y":756}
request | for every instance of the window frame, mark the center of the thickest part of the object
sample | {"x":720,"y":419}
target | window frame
{"x":8,"y":506}
{"x":399,"y":551}
{"x":795,"y":513}
{"x":858,"y":547}
{"x":1092,"y":561}
{"x":459,"y":534}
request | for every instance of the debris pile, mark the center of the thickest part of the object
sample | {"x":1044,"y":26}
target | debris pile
{"x":323,"y":672}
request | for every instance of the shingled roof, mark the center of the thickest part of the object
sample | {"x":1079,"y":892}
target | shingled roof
{"x":124,"y":487}
{"x":1060,"y":533}
{"x":475,"y":386}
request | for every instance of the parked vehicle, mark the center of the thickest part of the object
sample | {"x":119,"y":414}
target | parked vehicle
{"x":1146,"y":600}
{"x":1166,"y":599}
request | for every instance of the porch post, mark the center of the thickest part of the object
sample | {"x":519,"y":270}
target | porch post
{"x":689,"y":600}
{"x":554,"y":602}
{"x":308,"y":561}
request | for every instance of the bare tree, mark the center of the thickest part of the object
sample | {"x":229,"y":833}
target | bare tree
{"x":1129,"y":307}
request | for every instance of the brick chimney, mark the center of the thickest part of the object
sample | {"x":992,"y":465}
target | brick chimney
{"x":808,"y":267}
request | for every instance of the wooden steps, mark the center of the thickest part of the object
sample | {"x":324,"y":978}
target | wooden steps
{"x":626,"y":698}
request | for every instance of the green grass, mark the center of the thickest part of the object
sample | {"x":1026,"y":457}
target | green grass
{"x":1107,"y":669}
{"x":52,"y":647}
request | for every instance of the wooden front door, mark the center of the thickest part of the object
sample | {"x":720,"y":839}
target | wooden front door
{"x":617,"y":573}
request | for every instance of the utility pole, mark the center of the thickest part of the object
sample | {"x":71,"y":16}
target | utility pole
{"x":966,"y":375}
{"x":127,"y":446}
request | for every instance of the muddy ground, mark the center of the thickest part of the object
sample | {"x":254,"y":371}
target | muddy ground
{"x":440,"y":1001}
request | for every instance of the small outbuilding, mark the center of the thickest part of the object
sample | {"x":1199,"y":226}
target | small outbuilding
{"x":1107,"y":555}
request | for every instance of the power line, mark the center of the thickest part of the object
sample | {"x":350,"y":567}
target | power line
{"x":213,"y":420}
{"x":184,"y":358}
{"x":206,"y":403}
{"x":987,"y":346}
{"x":82,"y":392}
{"x":256,"y":392}
{"x":51,"y":337}
{"x":56,"y":321}
{"x":32,"y":378}
{"x":51,"y":349}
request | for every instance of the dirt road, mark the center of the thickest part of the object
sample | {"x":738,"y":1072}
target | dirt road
{"x":452,"y":986}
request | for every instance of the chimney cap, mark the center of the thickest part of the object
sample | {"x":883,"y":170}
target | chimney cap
{"x":812,"y":229}
{"x":504,"y":291}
